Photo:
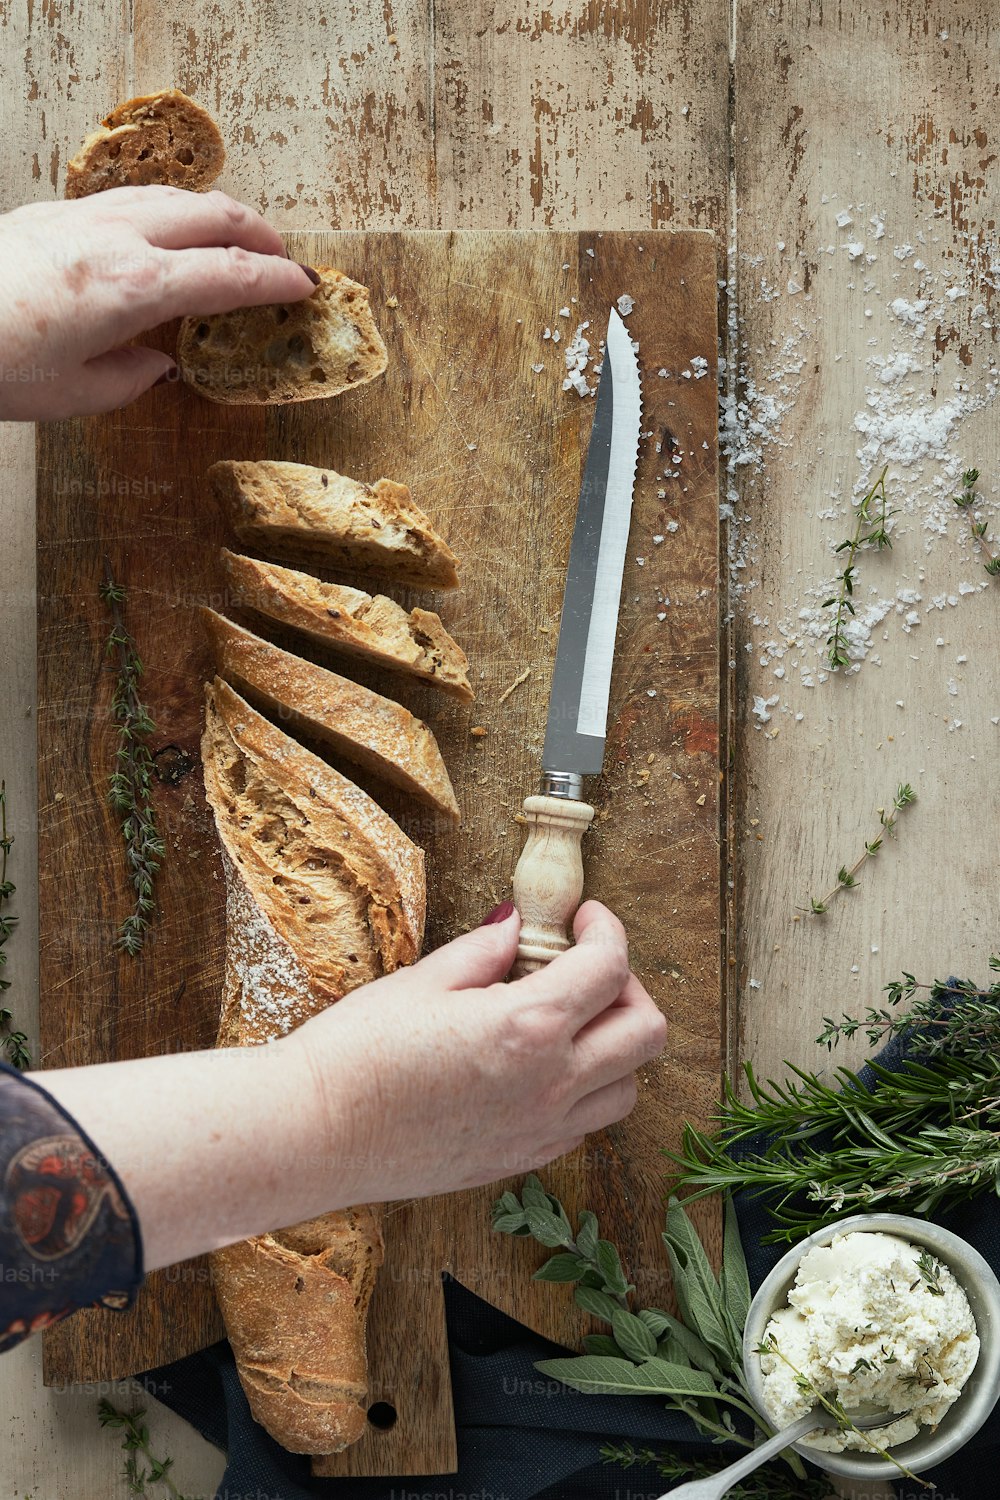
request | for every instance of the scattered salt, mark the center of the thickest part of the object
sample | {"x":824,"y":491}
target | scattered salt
{"x":625,"y":304}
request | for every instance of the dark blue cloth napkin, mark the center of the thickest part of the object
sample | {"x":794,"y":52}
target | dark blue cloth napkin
{"x":519,"y":1436}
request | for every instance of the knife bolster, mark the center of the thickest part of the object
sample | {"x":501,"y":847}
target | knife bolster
{"x":548,"y":881}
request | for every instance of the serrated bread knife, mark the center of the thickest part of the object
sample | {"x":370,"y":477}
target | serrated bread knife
{"x":548,"y":881}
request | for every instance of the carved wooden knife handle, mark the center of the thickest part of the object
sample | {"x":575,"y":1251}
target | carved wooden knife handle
{"x":548,"y":881}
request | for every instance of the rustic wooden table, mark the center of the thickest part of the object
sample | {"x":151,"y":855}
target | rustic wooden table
{"x":846,"y":158}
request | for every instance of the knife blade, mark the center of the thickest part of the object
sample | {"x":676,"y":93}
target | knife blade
{"x":548,"y":881}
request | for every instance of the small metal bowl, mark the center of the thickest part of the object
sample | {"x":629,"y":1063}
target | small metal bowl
{"x":980,"y":1393}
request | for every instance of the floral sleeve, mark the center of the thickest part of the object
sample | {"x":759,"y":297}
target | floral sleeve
{"x":69,"y":1237}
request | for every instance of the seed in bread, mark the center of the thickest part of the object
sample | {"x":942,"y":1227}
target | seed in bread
{"x":322,"y":345}
{"x":369,"y":626}
{"x":164,"y":137}
{"x":304,"y":514}
{"x":372,"y":731}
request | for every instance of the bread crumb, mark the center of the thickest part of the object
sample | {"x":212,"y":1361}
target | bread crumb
{"x":479,"y":731}
{"x":515,"y":684}
{"x":392,"y":301}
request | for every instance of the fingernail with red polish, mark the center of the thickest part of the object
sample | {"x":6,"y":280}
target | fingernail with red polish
{"x":498,"y":914}
{"x":313,"y":275}
{"x":170,"y":374}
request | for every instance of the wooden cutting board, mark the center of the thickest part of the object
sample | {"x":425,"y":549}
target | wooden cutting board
{"x":473,"y":416}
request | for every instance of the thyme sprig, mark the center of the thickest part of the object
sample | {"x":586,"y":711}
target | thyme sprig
{"x":130,"y":782}
{"x":15,"y":1043}
{"x":871,"y":517}
{"x":134,"y":1443}
{"x":921,"y":1139}
{"x":847,"y":878}
{"x":770,"y":1482}
{"x":835,"y":1407}
{"x":966,"y":502}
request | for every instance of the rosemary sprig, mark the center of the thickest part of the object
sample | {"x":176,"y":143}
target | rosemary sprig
{"x":136,"y":1442}
{"x":847,"y":877}
{"x":770,"y":1482}
{"x":15,"y":1043}
{"x":871,"y":517}
{"x":835,"y":1407}
{"x":966,"y":502}
{"x":924,"y":1138}
{"x":130,"y":782}
{"x":930,"y":1273}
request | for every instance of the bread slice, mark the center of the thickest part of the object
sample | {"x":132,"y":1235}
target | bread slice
{"x":285,"y":351}
{"x":332,"y":877}
{"x":366,"y":728}
{"x":359,"y":624}
{"x":324,"y":893}
{"x":164,"y":137}
{"x":323,"y":518}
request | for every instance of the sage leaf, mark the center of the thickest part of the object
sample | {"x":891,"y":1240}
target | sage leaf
{"x":561,"y":1268}
{"x":586,"y":1235}
{"x":656,"y":1321}
{"x":509,"y":1223}
{"x":600,"y":1375}
{"x":507,"y":1203}
{"x":632,"y":1336}
{"x":601,"y":1343}
{"x":599,"y":1304}
{"x":697,"y":1352}
{"x":734,"y":1282}
{"x":533,"y":1195}
{"x":545,"y":1227}
{"x":610,"y":1266}
{"x":695,"y":1286}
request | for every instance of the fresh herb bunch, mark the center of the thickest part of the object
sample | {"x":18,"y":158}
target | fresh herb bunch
{"x":847,"y":879}
{"x":924,"y":1138}
{"x":966,"y":502}
{"x":871,"y":518}
{"x":130,"y":783}
{"x":695,"y":1361}
{"x":136,"y":1442}
{"x":15,"y":1043}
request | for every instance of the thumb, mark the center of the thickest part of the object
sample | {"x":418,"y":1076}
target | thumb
{"x":118,"y":377}
{"x":474,"y":960}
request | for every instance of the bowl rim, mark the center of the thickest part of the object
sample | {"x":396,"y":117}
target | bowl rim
{"x":979,"y":1282}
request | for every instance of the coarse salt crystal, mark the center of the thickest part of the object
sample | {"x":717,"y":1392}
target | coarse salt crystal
{"x":624,"y":304}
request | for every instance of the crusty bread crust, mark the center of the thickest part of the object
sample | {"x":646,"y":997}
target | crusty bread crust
{"x":324,"y":893}
{"x":325,"y":519}
{"x":369,"y":626}
{"x":370,"y":730}
{"x":287,"y":351}
{"x":164,"y":137}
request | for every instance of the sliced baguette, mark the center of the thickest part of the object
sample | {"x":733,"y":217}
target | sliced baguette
{"x":324,"y":892}
{"x":334,"y":877}
{"x":164,"y":137}
{"x":370,"y":730}
{"x":314,"y":515}
{"x":286,"y":351}
{"x":359,"y":624}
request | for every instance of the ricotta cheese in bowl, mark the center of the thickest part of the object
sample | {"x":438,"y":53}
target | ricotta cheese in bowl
{"x":870,"y":1319}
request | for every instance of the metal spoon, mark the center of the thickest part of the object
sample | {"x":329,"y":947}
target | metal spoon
{"x":717,"y":1485}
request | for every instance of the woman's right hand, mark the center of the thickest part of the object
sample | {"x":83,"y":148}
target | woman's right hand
{"x":441,"y":1076}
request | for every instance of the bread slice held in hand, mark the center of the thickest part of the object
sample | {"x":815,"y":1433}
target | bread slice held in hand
{"x":322,"y":345}
{"x":324,"y":893}
{"x":369,"y":626}
{"x":304,"y":514}
{"x":372,"y":731}
{"x":164,"y":137}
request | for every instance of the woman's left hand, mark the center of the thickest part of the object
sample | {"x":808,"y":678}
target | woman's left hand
{"x":83,"y":277}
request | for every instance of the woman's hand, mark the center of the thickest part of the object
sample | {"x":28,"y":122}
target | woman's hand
{"x":434,"y":1078}
{"x":83,"y":277}
{"x":441,"y":1076}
